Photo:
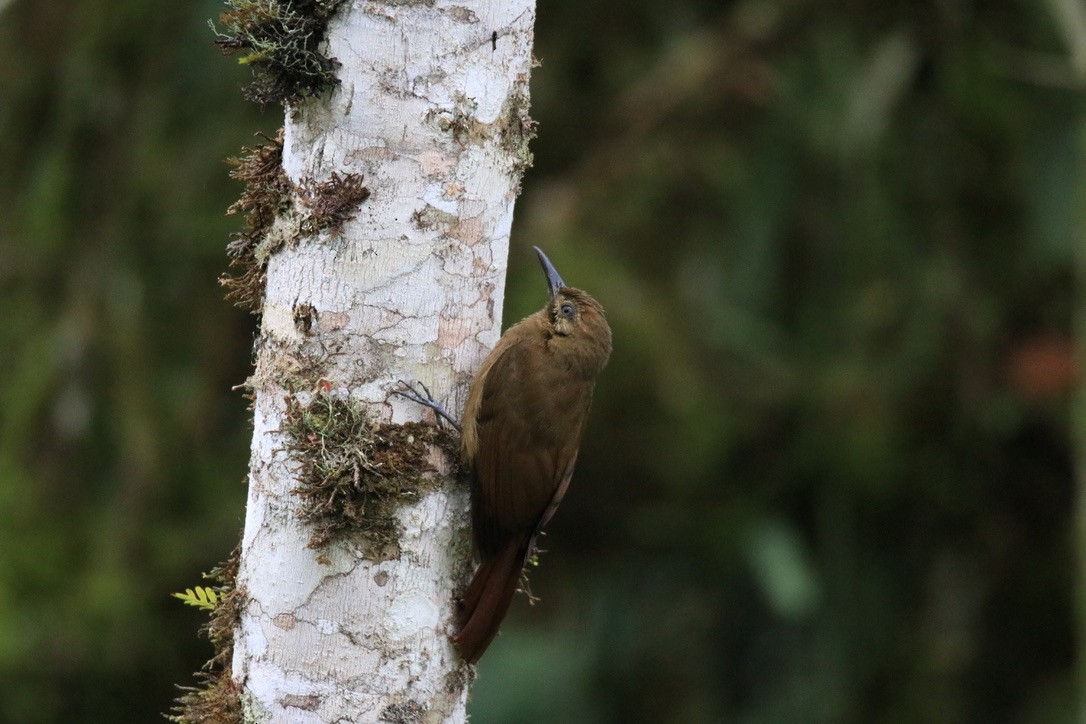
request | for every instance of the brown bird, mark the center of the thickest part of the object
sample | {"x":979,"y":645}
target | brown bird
{"x":522,"y":427}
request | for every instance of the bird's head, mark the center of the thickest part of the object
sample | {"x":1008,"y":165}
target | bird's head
{"x":575,"y":318}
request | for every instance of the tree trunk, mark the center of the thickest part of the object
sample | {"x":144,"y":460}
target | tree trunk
{"x":431,"y":110}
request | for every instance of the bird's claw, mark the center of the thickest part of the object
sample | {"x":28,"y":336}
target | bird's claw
{"x":408,"y":391}
{"x":424,"y":398}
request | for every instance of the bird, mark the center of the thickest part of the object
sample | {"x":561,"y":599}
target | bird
{"x":520,"y":433}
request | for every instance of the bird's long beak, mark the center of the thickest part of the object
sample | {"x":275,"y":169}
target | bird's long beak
{"x":554,"y":279}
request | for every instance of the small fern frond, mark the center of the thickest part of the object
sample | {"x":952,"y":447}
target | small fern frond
{"x":200,"y":597}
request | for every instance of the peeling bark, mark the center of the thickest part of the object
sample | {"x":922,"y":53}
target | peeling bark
{"x":431,"y":111}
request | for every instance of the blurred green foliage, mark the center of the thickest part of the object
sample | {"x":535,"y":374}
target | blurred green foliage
{"x":122,"y":448}
{"x":829,"y":476}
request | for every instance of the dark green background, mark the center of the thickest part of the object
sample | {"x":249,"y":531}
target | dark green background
{"x":830,"y":472}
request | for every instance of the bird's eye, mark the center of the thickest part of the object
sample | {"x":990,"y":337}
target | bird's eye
{"x":567,"y":310}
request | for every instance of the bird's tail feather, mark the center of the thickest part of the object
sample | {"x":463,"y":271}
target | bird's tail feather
{"x":487,"y":599}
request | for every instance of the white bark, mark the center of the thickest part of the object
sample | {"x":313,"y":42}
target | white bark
{"x":412,"y":289}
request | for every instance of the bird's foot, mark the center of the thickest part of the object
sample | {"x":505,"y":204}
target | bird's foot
{"x":420,"y":394}
{"x":523,"y":586}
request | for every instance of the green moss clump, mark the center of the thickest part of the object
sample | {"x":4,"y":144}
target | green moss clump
{"x":216,"y":699}
{"x":355,"y":473}
{"x":280,"y":40}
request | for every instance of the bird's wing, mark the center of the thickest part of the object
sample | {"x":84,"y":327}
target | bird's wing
{"x":521,"y":459}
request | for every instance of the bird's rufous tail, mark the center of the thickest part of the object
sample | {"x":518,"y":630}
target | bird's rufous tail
{"x":484,"y":604}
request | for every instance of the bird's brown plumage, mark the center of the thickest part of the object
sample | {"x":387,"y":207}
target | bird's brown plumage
{"x":522,"y":427}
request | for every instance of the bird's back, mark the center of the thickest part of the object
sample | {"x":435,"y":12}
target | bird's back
{"x":528,"y":416}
